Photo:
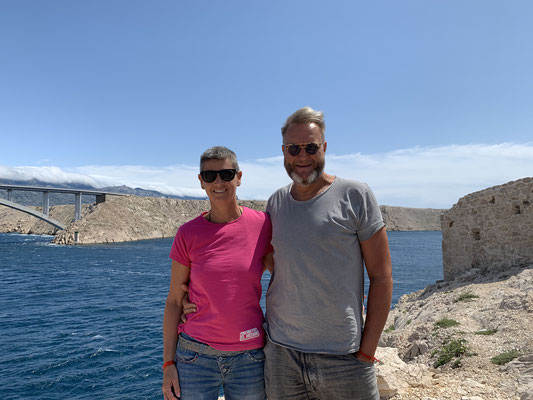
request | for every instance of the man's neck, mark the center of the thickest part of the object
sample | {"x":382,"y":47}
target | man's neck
{"x":306,"y":192}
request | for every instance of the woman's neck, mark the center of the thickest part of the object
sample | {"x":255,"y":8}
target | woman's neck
{"x":220,"y":214}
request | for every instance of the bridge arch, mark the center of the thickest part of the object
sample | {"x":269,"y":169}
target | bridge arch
{"x":31,"y":211}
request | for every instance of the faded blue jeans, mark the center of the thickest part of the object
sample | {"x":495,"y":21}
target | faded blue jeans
{"x":294,"y":375}
{"x":202,"y":370}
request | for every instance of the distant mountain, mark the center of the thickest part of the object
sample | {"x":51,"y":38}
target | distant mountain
{"x":36,"y":198}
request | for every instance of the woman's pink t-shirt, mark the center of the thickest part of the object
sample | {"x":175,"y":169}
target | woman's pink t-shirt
{"x":225,"y":280}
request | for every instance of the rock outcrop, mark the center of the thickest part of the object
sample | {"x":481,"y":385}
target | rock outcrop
{"x":492,"y":228}
{"x":449,"y":336}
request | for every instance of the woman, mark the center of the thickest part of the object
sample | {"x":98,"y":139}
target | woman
{"x":220,"y":255}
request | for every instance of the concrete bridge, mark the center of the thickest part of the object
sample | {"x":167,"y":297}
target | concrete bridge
{"x":44,"y":215}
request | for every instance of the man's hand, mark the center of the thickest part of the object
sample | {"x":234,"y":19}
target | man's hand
{"x":171,"y":384}
{"x":187,"y":307}
{"x":363,"y":359}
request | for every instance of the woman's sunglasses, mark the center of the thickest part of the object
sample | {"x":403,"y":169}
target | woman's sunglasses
{"x":310,"y":148}
{"x":225,"y":174}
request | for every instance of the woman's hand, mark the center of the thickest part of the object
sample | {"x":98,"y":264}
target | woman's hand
{"x":171,"y":384}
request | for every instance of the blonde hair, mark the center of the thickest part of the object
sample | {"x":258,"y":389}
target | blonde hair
{"x":306,"y":115}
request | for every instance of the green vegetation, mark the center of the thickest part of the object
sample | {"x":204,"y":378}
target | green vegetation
{"x":486,"y":332}
{"x":504,"y":358}
{"x":389,"y":329}
{"x":453,"y":349}
{"x":468,"y":296}
{"x":457,"y":363}
{"x":446,"y":323}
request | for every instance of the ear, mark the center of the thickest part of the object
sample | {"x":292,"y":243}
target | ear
{"x":239,"y":176}
{"x":325,"y":146}
{"x":283,"y":148}
{"x":201,"y":181}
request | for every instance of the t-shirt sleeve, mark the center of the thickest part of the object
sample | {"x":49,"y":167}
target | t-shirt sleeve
{"x":178,"y":251}
{"x":370,"y":219}
{"x":269,"y":205}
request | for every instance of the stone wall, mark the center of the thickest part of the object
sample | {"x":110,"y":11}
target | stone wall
{"x":489,"y":229}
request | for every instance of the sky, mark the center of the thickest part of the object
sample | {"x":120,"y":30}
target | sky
{"x":426,"y":101}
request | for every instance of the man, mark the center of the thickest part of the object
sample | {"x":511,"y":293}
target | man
{"x":325,"y":229}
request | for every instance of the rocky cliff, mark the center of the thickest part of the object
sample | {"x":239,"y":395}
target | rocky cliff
{"x":134,"y":218}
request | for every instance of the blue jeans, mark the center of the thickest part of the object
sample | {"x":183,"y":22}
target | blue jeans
{"x":294,"y":375}
{"x":202,"y":370}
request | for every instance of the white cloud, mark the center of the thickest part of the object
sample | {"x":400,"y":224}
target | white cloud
{"x":47,"y":174}
{"x":415,"y":177}
{"x":436,"y":176}
{"x":179,"y":180}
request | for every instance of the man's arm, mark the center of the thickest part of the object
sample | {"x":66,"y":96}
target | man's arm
{"x":268,"y":262}
{"x":379,"y":268}
{"x":179,"y":275}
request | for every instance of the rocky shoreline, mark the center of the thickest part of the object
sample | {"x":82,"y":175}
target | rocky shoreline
{"x":130,"y":218}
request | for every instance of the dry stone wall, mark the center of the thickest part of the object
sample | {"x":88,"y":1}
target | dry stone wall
{"x":490,"y":229}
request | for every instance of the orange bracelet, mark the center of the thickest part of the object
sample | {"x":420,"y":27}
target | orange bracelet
{"x":371,"y":358}
{"x":171,"y":362}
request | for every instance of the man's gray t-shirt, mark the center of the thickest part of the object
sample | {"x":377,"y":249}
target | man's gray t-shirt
{"x":314,"y":300}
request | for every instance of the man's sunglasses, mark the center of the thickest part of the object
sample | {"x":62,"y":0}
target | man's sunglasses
{"x":294,"y":149}
{"x":211,"y":176}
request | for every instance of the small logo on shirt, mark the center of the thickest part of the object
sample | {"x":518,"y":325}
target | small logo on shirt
{"x":249,"y":334}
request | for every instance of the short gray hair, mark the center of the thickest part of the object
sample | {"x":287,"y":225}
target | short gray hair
{"x":219,"y":153}
{"x":306,"y":115}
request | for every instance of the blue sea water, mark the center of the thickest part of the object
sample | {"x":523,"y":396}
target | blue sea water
{"x":85,"y":322}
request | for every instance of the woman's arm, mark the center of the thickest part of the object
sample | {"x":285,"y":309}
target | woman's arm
{"x":179,"y":275}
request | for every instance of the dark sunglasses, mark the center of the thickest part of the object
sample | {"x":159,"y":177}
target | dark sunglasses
{"x":225,"y":174}
{"x":294,"y":149}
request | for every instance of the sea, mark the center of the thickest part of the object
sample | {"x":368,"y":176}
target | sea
{"x":85,"y":322}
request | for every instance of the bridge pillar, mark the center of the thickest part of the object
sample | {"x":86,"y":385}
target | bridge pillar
{"x":9,"y":194}
{"x":77,"y":207}
{"x":46,"y":203}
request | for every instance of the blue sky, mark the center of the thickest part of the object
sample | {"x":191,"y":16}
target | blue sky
{"x":426,"y":101}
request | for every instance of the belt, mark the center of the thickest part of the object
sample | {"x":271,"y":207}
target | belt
{"x":203,"y":348}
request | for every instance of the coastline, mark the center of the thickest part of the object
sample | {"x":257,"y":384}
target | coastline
{"x":130,"y":218}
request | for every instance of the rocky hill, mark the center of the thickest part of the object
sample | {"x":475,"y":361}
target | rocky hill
{"x":411,"y":219}
{"x":470,"y":339}
{"x":134,"y":218}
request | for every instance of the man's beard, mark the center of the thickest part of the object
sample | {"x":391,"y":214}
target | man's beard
{"x":313,"y":176}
